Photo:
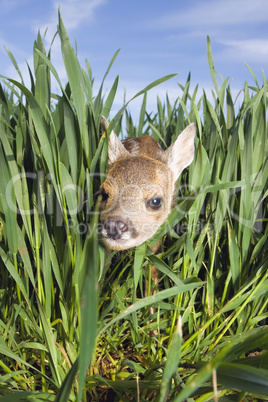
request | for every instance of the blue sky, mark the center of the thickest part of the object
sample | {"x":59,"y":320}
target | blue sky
{"x":156,"y":38}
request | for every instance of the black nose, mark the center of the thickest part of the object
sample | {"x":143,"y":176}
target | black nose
{"x":115,"y":228}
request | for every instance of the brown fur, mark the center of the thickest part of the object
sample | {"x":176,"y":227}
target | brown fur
{"x":139,"y":189}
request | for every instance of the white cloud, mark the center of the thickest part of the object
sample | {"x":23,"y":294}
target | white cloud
{"x":73,"y":12}
{"x":6,"y":6}
{"x":236,"y":25}
{"x":250,"y":50}
{"x":213,"y":13}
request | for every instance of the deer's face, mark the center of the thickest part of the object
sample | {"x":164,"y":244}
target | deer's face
{"x":137,"y":194}
{"x":136,"y":199}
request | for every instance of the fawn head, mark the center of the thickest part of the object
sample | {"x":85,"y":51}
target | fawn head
{"x":138,"y":192}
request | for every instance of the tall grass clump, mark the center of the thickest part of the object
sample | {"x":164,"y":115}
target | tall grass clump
{"x":75,"y":324}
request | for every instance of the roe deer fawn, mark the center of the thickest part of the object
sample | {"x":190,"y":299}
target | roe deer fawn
{"x":138,"y":192}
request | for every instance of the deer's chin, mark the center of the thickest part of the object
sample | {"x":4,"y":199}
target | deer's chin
{"x":121,"y":244}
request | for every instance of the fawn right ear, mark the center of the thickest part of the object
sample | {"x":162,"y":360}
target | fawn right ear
{"x":181,"y":153}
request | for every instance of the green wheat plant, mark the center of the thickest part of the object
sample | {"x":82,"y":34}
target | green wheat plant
{"x":75,"y":324}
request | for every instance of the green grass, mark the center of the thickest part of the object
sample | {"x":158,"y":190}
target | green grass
{"x":75,"y":325}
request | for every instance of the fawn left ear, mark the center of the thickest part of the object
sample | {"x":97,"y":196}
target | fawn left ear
{"x":181,"y":153}
{"x":116,"y":149}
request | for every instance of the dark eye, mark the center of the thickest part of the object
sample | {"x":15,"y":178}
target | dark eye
{"x":104,"y":195}
{"x":155,"y":202}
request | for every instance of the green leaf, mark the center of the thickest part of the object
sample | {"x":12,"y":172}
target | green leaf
{"x":243,"y":378}
{"x":77,"y":85}
{"x":8,"y":202}
{"x":142,"y":92}
{"x":138,"y":263}
{"x":89,"y":304}
{"x":165,"y":269}
{"x":142,"y":115}
{"x":164,"y":294}
{"x":69,"y":192}
{"x":66,"y":386}
{"x":110,"y":99}
{"x":15,"y":274}
{"x":234,"y":257}
{"x":71,"y":140}
{"x":12,"y":58}
{"x":211,"y":65}
{"x":51,"y":345}
{"x":172,"y":362}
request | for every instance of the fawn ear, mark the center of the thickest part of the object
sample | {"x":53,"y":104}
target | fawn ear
{"x":116,"y":149}
{"x":181,"y":153}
